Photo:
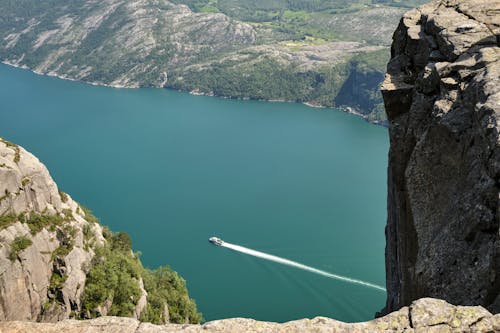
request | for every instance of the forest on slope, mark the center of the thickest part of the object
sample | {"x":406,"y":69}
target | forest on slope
{"x":325,"y":53}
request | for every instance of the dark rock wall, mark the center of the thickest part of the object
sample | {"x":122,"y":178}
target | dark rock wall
{"x":442,"y":99}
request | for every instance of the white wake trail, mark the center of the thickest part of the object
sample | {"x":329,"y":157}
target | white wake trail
{"x":284,"y":261}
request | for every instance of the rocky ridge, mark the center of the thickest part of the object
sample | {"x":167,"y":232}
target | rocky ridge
{"x":25,"y":283}
{"x":442,"y":98}
{"x":424,"y":315}
{"x":160,"y":43}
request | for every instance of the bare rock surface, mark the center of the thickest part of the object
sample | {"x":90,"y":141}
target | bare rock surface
{"x":27,"y":290}
{"x":424,"y":315}
{"x":442,"y":98}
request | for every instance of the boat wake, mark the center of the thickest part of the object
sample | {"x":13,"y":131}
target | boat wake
{"x":287,"y":262}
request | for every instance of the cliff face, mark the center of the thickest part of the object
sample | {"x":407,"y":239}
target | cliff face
{"x":57,"y":262}
{"x":442,"y":98}
{"x":34,"y":211}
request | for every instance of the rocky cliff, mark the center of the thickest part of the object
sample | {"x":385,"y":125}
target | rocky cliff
{"x":425,"y":315}
{"x":442,"y":98}
{"x":56,"y":261}
{"x":35,"y":241}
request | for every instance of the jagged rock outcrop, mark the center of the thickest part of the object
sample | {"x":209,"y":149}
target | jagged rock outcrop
{"x":442,"y":98}
{"x":30,"y":208}
{"x":49,"y":246}
{"x":217,"y":49}
{"x":425,"y":315}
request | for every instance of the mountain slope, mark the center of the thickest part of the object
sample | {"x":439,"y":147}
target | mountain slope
{"x":300,"y":51}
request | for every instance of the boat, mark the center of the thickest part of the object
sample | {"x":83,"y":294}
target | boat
{"x":216,"y":241}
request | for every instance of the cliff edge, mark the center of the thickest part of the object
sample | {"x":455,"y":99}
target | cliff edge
{"x":57,"y":261}
{"x":442,"y":99}
{"x":425,"y":315}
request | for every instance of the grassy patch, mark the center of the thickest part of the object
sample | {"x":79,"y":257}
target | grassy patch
{"x":57,"y":281}
{"x":9,"y":219}
{"x":18,"y":244}
{"x":36,"y":222}
{"x":68,"y":214}
{"x":64,"y":196}
{"x":88,"y":237}
{"x":16,"y":148}
{"x":63,"y":250}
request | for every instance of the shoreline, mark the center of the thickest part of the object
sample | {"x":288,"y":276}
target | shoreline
{"x":196,"y":92}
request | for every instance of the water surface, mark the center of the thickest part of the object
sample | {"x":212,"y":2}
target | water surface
{"x":173,"y":169}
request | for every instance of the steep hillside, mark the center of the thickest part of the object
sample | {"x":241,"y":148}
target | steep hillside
{"x":58,"y":262}
{"x":442,"y":97}
{"x":304,"y":51}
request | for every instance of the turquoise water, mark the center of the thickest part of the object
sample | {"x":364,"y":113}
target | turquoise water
{"x":172,"y":169}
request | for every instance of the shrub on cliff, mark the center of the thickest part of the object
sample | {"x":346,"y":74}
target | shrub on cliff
{"x":165,"y":286}
{"x":113,"y":281}
{"x":18,"y":244}
{"x":113,"y":277}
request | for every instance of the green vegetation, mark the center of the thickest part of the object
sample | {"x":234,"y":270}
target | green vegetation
{"x":267,"y":79}
{"x":164,"y":286}
{"x":115,"y":271}
{"x":354,"y":82}
{"x":64,"y":196}
{"x":115,"y":275}
{"x":17,"y":150}
{"x":9,"y":219}
{"x":36,"y":222}
{"x":66,"y":236}
{"x":18,"y":244}
{"x":57,"y":282}
{"x":296,"y":18}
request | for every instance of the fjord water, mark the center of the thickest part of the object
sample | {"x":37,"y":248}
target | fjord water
{"x":172,"y":169}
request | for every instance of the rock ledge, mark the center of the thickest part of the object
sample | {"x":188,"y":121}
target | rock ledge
{"x":424,"y":315}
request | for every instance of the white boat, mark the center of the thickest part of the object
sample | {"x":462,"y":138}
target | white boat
{"x":216,"y":241}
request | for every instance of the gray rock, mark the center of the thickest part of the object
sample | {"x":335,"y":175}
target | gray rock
{"x":425,"y":315}
{"x":444,"y":163}
{"x":25,"y":282}
{"x":143,"y":300}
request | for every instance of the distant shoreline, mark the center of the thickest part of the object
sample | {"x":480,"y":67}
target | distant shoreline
{"x":196,"y":92}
